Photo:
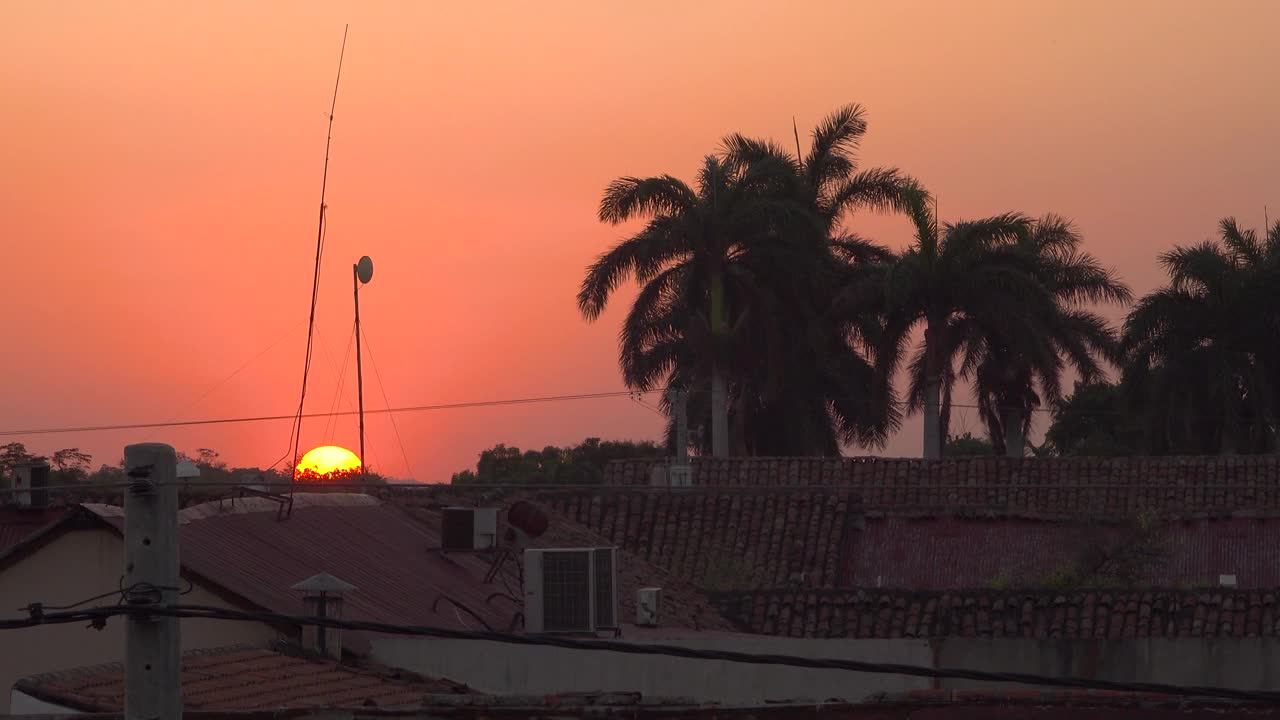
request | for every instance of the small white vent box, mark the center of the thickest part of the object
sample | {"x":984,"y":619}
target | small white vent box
{"x":648,"y":604}
{"x":463,"y":528}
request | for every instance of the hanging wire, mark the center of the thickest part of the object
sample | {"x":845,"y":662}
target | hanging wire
{"x":386,"y":403}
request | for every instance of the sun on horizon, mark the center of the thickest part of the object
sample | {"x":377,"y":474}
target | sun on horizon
{"x":327,"y":462}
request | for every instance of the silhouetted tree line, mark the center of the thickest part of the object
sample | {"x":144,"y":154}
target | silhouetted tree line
{"x":793,"y":333}
{"x":581,"y":464}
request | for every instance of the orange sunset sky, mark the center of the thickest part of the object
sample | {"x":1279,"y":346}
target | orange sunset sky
{"x":161,"y":173}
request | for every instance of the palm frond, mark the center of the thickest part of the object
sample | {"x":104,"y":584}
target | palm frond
{"x":630,"y":197}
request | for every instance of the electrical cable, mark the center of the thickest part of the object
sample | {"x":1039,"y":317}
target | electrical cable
{"x":242,"y":366}
{"x":99,"y":615}
{"x":271,"y":418}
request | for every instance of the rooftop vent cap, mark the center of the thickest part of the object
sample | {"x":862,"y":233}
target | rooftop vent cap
{"x":323,"y":599}
{"x":324,"y":583}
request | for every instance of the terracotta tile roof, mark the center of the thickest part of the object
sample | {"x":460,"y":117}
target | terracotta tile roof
{"x":727,"y":539}
{"x":242,"y":679}
{"x":1043,"y":614}
{"x":683,"y":605}
{"x":1089,"y":486}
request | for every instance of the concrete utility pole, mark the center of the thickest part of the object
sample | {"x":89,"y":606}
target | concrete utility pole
{"x":152,"y":645}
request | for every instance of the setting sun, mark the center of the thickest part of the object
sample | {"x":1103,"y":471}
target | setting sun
{"x":328,"y":462}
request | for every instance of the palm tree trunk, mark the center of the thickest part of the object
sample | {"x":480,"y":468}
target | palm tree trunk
{"x":932,"y":392}
{"x":719,"y":385}
{"x":1015,"y":443}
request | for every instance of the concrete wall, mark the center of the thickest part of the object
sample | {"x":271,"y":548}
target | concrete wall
{"x":1245,"y":664}
{"x":76,"y":565}
{"x":528,"y":670}
{"x":21,"y":703}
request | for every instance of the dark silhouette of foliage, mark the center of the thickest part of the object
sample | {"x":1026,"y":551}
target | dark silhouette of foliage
{"x":581,"y":464}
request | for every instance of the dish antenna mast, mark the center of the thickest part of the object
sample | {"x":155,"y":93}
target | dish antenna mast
{"x":296,"y":435}
{"x":361,"y":274}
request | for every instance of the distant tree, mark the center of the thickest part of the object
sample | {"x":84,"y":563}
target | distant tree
{"x":581,"y":464}
{"x":70,"y":465}
{"x":209,"y":457}
{"x":1013,"y":377}
{"x":1095,"y":420}
{"x":12,"y":454}
{"x":955,"y":282}
{"x":967,"y":445}
{"x":1202,"y":355}
{"x":106,"y":475}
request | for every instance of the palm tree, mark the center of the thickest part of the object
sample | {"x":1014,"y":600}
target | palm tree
{"x":1013,"y":376}
{"x":836,"y":391}
{"x":961,"y":281}
{"x":1202,"y":355}
{"x":688,"y":259}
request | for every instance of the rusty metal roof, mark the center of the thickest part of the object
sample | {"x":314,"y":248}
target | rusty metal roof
{"x":243,"y":678}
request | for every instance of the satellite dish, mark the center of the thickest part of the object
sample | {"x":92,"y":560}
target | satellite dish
{"x":364,"y":270}
{"x":528,"y":519}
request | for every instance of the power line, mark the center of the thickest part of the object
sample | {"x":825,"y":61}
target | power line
{"x":98,"y":616}
{"x":271,"y":418}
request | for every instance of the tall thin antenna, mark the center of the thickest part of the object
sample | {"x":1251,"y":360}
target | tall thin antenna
{"x":1266,"y":221}
{"x":796,"y":132}
{"x":296,"y":433}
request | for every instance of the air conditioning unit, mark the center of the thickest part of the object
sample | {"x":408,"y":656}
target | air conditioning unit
{"x":570,"y":590}
{"x":30,"y":484}
{"x":464,"y":529}
{"x":648,"y":604}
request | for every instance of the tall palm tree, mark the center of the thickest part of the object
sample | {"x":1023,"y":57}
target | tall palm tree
{"x":830,"y":186}
{"x":956,"y":282}
{"x":1013,"y":376}
{"x":1202,"y":355}
{"x":686,"y":257}
{"x":829,"y":181}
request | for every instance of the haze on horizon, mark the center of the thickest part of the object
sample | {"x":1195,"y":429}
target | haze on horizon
{"x":162,"y":170}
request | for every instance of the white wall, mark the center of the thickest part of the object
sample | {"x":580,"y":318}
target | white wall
{"x":76,"y":565}
{"x":529,"y":670}
{"x":21,"y":703}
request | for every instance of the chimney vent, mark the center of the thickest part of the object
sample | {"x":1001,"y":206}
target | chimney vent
{"x":323,"y":599}
{"x":30,"y":484}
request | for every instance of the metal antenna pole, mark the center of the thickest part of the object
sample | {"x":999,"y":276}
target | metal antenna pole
{"x":355,"y":277}
{"x":152,"y":645}
{"x":296,"y":433}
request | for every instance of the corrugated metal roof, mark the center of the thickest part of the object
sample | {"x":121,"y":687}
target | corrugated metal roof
{"x":242,"y":679}
{"x":243,"y":547}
